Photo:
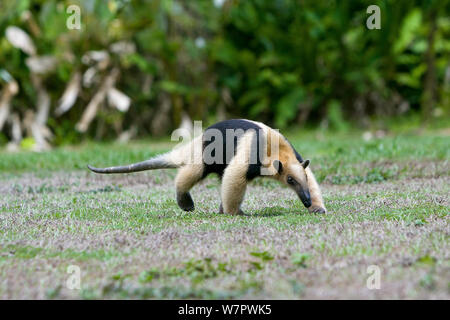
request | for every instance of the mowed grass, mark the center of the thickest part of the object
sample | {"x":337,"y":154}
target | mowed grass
{"x":387,"y":200}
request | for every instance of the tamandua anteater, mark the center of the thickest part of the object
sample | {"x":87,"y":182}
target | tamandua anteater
{"x":238,"y":151}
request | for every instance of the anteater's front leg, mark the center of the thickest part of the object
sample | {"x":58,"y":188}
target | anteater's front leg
{"x":317,"y":205}
{"x":234,"y":183}
{"x":186,"y":178}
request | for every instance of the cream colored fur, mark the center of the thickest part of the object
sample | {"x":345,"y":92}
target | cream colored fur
{"x":314,"y":190}
{"x":234,"y":181}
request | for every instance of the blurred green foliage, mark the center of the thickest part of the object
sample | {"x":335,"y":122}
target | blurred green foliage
{"x":279,"y":61}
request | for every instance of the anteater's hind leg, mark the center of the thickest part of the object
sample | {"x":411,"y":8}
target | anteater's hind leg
{"x":186,"y":178}
{"x":317,"y":205}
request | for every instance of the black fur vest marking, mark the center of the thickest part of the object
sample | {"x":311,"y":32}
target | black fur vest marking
{"x":254,"y":170}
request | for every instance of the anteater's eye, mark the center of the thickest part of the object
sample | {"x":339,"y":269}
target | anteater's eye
{"x":290,"y":180}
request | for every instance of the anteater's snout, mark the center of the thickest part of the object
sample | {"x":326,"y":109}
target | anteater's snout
{"x":305,"y":197}
{"x":307,"y":203}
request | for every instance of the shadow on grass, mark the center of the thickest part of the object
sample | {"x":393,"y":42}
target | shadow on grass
{"x":271,"y":212}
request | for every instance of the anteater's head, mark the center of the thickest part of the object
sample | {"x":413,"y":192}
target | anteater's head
{"x":293,"y":174}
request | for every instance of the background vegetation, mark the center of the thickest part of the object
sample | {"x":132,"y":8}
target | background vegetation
{"x":141,"y":67}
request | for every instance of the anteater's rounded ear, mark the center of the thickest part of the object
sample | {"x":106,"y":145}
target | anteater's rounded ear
{"x":305,"y":163}
{"x":278,"y":166}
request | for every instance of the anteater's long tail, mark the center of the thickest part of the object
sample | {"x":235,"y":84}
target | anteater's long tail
{"x":159,"y":162}
{"x":177,"y":157}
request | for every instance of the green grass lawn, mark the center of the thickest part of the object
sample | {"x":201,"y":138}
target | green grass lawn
{"x":387,"y":200}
